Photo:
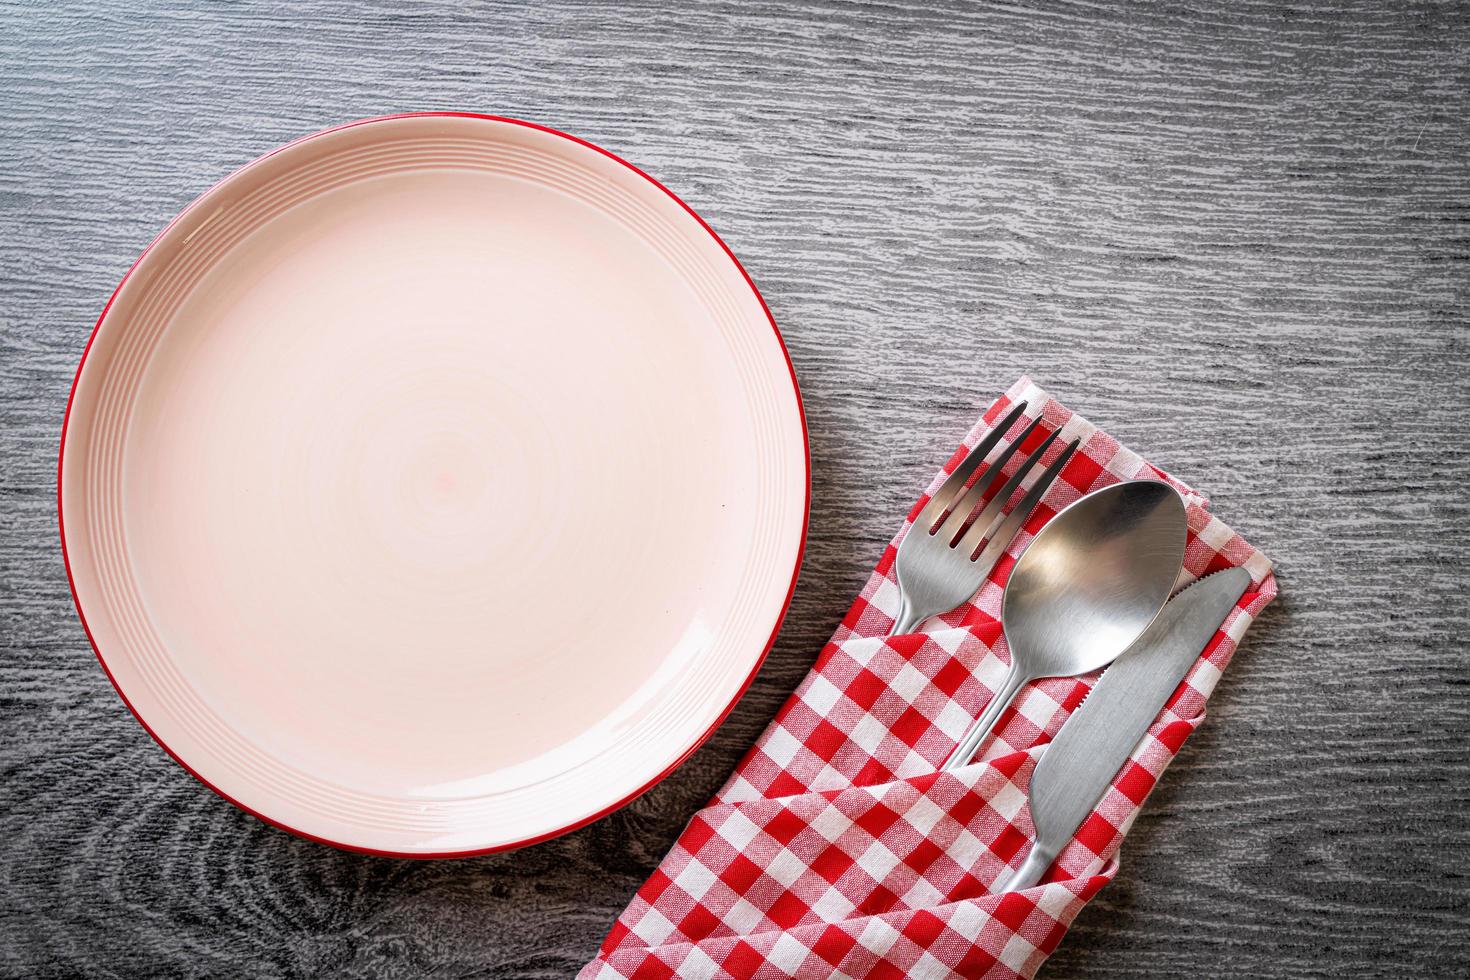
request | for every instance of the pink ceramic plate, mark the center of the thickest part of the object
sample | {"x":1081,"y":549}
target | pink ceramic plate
{"x":434,"y":484}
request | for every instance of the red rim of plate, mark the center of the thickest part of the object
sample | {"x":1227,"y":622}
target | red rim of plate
{"x":724,"y":713}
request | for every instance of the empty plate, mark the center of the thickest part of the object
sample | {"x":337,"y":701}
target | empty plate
{"x":433,"y":484}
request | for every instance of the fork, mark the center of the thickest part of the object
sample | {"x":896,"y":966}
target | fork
{"x":946,"y":556}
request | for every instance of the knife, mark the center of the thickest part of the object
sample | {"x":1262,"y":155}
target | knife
{"x":1080,"y":763}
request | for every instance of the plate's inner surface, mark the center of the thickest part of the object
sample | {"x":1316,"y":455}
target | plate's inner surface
{"x":428,"y":467}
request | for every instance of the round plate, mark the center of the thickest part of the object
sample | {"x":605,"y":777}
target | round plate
{"x":434,"y":484}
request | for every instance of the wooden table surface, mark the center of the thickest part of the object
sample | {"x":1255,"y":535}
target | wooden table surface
{"x":1238,"y":236}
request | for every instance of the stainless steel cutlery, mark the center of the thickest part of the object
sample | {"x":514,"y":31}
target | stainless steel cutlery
{"x":1092,"y":587}
{"x":1101,"y":734}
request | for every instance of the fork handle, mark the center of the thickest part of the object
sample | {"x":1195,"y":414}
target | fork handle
{"x":908,"y":617}
{"x":975,"y":737}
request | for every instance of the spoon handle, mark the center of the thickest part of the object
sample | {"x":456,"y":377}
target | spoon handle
{"x":972,"y":740}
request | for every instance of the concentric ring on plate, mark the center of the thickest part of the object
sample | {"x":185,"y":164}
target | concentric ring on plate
{"x":433,"y":485}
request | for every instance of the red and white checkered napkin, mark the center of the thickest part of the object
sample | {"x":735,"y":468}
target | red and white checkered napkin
{"x":836,"y":848}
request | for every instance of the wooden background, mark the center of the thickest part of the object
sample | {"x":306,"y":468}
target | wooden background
{"x":1236,"y":235}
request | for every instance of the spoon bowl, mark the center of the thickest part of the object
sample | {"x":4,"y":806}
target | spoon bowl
{"x":1088,"y":585}
{"x":1094,"y":579}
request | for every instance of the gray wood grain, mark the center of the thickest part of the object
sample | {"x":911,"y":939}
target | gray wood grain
{"x":1236,"y":235}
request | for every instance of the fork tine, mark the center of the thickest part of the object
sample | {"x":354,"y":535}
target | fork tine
{"x":998,"y":502}
{"x":952,"y":487}
{"x":1017,"y":517}
{"x":958,"y":518}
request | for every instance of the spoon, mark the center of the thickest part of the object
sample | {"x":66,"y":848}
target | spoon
{"x":1088,"y":585}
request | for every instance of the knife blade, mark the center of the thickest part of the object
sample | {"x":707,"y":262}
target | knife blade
{"x":1080,"y":763}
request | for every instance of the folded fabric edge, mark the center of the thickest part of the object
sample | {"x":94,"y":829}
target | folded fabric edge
{"x":1066,"y":895}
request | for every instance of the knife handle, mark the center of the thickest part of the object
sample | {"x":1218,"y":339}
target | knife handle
{"x":1030,"y":871}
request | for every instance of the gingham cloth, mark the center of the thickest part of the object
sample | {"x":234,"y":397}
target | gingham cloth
{"x":837,"y":849}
